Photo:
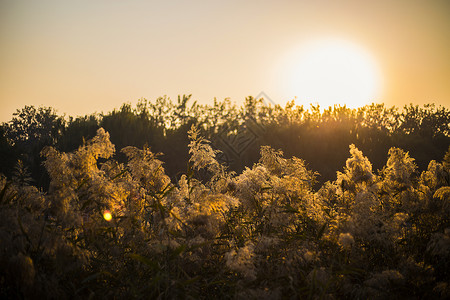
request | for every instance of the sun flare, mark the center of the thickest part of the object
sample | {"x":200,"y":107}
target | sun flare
{"x":107,"y":215}
{"x":331,"y":71}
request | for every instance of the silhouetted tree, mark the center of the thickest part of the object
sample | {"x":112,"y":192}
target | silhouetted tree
{"x":29,"y":131}
{"x":319,"y":137}
{"x":77,"y":131}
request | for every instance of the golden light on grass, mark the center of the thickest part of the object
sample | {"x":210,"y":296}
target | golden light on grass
{"x":107,"y":215}
{"x":334,"y":71}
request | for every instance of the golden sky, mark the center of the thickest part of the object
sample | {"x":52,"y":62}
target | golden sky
{"x":91,"y":56}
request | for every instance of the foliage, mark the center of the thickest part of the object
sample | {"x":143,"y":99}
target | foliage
{"x":26,"y":134}
{"x":320,"y":137}
{"x":30,"y":126}
{"x":265,"y":232}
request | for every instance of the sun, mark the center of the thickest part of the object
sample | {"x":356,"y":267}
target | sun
{"x":334,"y":71}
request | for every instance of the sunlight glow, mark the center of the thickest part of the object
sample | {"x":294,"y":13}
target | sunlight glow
{"x":107,"y":215}
{"x":333,"y":71}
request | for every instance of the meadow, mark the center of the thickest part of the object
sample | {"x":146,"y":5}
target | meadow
{"x":178,"y":201}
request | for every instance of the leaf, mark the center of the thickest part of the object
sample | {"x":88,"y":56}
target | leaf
{"x":264,"y":188}
{"x":178,"y":250}
{"x":120,"y":174}
{"x":23,"y":230}
{"x":3,"y":192}
{"x":289,"y":209}
{"x":83,"y":182}
{"x":91,"y":277}
{"x":321,"y":231}
{"x":191,"y":280}
{"x":352,"y":271}
{"x":86,"y":203}
{"x":145,"y":260}
{"x":169,"y":187}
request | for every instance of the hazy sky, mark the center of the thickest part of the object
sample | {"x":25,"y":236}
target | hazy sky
{"x":85,"y":56}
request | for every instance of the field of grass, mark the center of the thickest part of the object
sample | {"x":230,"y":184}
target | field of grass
{"x":106,"y":229}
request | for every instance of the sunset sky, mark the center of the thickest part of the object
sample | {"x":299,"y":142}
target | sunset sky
{"x":91,"y":56}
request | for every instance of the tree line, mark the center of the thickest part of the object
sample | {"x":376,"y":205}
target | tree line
{"x":320,"y":137}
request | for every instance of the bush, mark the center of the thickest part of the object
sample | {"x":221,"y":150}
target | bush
{"x":110,"y":230}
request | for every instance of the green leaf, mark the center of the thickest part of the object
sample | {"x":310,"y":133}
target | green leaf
{"x":145,"y":260}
